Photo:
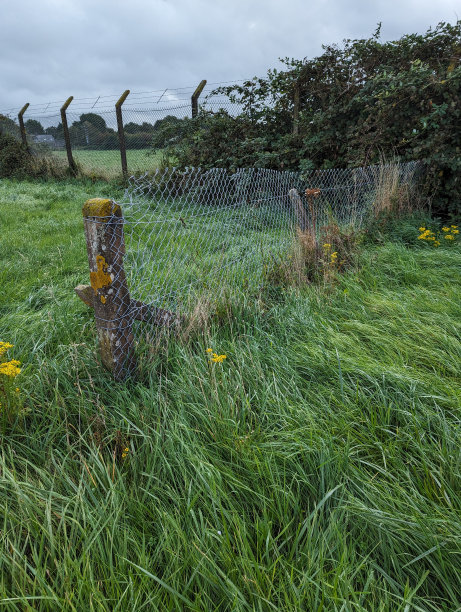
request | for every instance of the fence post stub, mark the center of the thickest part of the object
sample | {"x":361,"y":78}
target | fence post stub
{"x":195,"y":96}
{"x":121,"y":133}
{"x":65,"y":129}
{"x":21,"y":124}
{"x":103,"y":222}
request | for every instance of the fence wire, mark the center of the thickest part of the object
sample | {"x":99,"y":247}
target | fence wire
{"x":187,"y":236}
{"x":93,"y":129}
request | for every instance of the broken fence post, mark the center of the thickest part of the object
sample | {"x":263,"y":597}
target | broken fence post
{"x":103,"y":222}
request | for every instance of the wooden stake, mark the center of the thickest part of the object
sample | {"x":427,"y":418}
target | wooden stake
{"x":103,"y":222}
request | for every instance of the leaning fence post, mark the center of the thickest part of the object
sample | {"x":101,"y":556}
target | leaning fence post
{"x":121,"y":133}
{"x":21,"y":124}
{"x":65,"y":128}
{"x":195,"y":96}
{"x":103,"y":222}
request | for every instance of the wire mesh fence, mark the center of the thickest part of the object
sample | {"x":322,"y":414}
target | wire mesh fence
{"x":181,"y":238}
{"x":93,"y":131}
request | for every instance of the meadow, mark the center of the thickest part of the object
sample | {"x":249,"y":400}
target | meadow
{"x":107,"y":164}
{"x":316,"y":468}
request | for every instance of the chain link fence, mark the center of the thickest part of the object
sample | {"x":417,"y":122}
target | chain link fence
{"x":179,"y":239}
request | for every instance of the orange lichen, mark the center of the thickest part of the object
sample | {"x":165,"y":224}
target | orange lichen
{"x":101,"y":278}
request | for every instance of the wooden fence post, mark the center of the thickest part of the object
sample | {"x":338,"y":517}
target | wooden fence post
{"x":21,"y":124}
{"x":121,"y":133}
{"x":65,"y":128}
{"x":195,"y":96}
{"x":299,"y":209}
{"x":103,"y":222}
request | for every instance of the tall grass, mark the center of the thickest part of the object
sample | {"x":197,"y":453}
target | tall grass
{"x":316,"y":468}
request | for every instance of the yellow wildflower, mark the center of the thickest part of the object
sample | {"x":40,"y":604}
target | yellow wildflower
{"x":422,"y":229}
{"x":455,"y":231}
{"x":209,"y":350}
{"x":10,"y":368}
{"x":445,"y":229}
{"x":449,"y":237}
{"x":327,"y":245}
{"x":218,"y":358}
{"x":4,"y":346}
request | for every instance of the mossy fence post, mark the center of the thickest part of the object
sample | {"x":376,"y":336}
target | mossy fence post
{"x":110,"y":297}
{"x":65,"y":129}
{"x":195,"y":96}
{"x":121,"y":133}
{"x":22,"y":126}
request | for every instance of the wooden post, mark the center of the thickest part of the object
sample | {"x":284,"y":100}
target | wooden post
{"x":299,"y":209}
{"x":103,"y":222}
{"x":70,"y":159}
{"x":21,"y":124}
{"x":121,"y":133}
{"x":296,"y":110}
{"x":195,"y":96}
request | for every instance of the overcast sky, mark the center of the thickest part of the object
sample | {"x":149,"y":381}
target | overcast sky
{"x":50,"y":49}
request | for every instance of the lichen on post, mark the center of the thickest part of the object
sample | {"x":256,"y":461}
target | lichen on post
{"x":103,"y":222}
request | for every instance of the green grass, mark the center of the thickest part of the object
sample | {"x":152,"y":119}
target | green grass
{"x":107,"y":164}
{"x":317,"y":468}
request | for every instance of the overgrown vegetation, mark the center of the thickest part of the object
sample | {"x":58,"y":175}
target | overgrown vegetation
{"x":315,"y":468}
{"x":356,"y":102}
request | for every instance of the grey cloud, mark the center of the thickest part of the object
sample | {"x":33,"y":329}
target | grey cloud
{"x":54,"y":48}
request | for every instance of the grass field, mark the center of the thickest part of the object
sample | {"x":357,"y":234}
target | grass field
{"x":107,"y":164}
{"x":316,"y":468}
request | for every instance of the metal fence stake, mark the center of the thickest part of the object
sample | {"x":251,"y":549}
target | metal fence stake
{"x":103,"y":223}
{"x":195,"y":96}
{"x":121,"y":133}
{"x":21,"y":124}
{"x":65,"y":128}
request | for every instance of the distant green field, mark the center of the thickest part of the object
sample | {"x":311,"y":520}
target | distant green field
{"x":107,"y":163}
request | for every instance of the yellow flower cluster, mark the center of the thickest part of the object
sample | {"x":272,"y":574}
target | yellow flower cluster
{"x":449,"y":233}
{"x":4,"y":346}
{"x":126,"y":450}
{"x":214,"y":357}
{"x":334,"y":257}
{"x":10,"y":368}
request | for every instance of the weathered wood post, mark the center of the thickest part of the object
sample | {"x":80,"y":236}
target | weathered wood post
{"x":65,"y":128}
{"x":21,"y":124}
{"x":121,"y":133}
{"x":296,"y":110}
{"x":103,"y":222}
{"x":195,"y":96}
{"x":300,"y":211}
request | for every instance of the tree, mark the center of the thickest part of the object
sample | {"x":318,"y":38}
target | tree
{"x":34,"y":127}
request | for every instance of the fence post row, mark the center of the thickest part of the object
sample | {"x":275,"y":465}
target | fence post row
{"x":65,"y":128}
{"x":121,"y":133}
{"x":21,"y":124}
{"x":195,"y":96}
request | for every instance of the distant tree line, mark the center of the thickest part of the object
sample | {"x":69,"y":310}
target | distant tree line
{"x":91,"y":132}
